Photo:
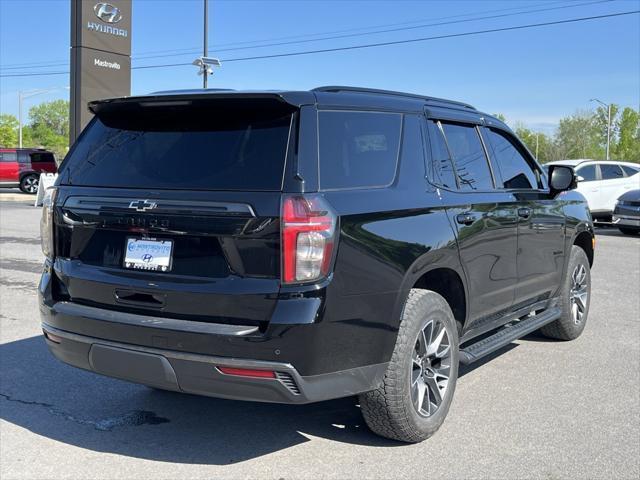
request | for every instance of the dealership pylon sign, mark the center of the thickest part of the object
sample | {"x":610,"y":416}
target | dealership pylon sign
{"x":100,"y":55}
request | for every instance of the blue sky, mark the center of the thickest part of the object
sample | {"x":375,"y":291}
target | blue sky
{"x":533,"y":76}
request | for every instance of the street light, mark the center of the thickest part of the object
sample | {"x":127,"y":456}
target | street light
{"x":608,"y":106}
{"x":206,"y":65}
{"x":32,"y":93}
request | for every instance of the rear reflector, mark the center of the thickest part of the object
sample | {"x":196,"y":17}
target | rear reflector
{"x":51,"y":337}
{"x":246,"y":372}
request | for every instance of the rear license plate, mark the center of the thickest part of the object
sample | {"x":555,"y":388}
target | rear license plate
{"x":148,"y":254}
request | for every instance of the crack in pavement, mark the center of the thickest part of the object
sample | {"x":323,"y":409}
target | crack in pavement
{"x":133,"y":418}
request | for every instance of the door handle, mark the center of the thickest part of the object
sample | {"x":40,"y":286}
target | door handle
{"x":524,"y":212}
{"x":466,"y":218}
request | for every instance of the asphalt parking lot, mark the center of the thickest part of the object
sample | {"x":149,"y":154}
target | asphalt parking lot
{"x":537,"y":409}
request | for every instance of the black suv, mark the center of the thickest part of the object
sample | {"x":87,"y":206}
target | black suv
{"x":294,"y":247}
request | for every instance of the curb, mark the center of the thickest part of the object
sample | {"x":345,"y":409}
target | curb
{"x":17,"y":197}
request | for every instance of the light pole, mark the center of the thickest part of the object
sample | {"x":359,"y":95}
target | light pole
{"x":22,"y":96}
{"x":206,"y":40}
{"x":608,"y":106}
{"x":206,"y":63}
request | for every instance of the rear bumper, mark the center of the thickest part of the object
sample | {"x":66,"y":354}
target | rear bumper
{"x":197,"y":374}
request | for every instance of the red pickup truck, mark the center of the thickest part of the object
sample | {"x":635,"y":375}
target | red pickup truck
{"x":21,"y":167}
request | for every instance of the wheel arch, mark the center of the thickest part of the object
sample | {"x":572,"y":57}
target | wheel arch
{"x":439,"y":271}
{"x":27,"y":172}
{"x":585,"y":239}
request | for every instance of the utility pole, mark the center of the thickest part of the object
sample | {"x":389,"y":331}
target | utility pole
{"x":206,"y":50}
{"x":204,"y":63}
{"x":608,"y":105}
{"x":19,"y":119}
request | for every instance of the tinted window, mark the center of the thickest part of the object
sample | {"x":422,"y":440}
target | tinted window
{"x":440,"y":159}
{"x":193,"y":147}
{"x":8,"y":157}
{"x":45,"y":157}
{"x":516,"y":171}
{"x":358,"y":149}
{"x":468,"y":156}
{"x":588,"y":173}
{"x":23,"y":157}
{"x":610,"y":172}
{"x":629,"y":170}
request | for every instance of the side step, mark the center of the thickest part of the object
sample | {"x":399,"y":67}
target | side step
{"x":506,"y":335}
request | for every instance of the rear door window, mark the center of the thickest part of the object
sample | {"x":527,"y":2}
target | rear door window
{"x":194,"y":147}
{"x":514,"y":168}
{"x":42,"y":157}
{"x":610,"y":172}
{"x":358,"y":149}
{"x":468,"y":155}
{"x":441,"y":162}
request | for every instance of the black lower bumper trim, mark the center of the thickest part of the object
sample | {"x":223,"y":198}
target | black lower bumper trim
{"x":196,"y":373}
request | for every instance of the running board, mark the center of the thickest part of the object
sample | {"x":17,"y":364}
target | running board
{"x":507,"y":335}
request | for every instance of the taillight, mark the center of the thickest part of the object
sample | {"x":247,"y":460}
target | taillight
{"x":46,"y":222}
{"x":308,"y":238}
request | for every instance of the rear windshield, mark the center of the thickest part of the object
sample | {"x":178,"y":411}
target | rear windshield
{"x":189,"y":147}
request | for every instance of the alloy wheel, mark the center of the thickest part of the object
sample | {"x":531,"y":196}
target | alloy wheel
{"x":579,"y":294}
{"x":430,"y":367}
{"x":31,"y":184}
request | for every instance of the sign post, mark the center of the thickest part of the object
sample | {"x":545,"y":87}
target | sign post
{"x":100,"y":56}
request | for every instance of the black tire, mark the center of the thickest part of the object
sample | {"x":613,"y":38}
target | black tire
{"x":29,"y":183}
{"x":569,"y":326}
{"x":389,"y":410}
{"x":629,"y":231}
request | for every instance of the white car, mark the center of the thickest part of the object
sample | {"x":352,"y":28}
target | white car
{"x":602,"y":182}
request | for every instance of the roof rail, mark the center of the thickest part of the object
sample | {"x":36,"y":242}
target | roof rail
{"x":339,"y":88}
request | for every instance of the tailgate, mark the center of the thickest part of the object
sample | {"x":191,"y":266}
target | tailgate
{"x":225,"y":256}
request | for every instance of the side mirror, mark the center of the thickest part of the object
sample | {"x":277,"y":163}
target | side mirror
{"x":561,"y":178}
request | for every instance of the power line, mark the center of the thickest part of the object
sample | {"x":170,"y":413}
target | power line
{"x":437,"y":37}
{"x":374,"y":45}
{"x":389,"y":30}
{"x":375,"y":32}
{"x":233,"y":46}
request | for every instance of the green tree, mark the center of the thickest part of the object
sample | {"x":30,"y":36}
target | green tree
{"x":579,"y":136}
{"x":628,"y":130}
{"x":601,"y":120}
{"x":537,"y":142}
{"x":8,"y":130}
{"x":48,"y":127}
{"x":52,"y":115}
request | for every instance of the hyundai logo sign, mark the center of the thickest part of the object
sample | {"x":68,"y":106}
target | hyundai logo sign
{"x":107,"y":12}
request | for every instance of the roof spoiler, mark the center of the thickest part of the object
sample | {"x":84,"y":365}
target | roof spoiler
{"x":294,"y":99}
